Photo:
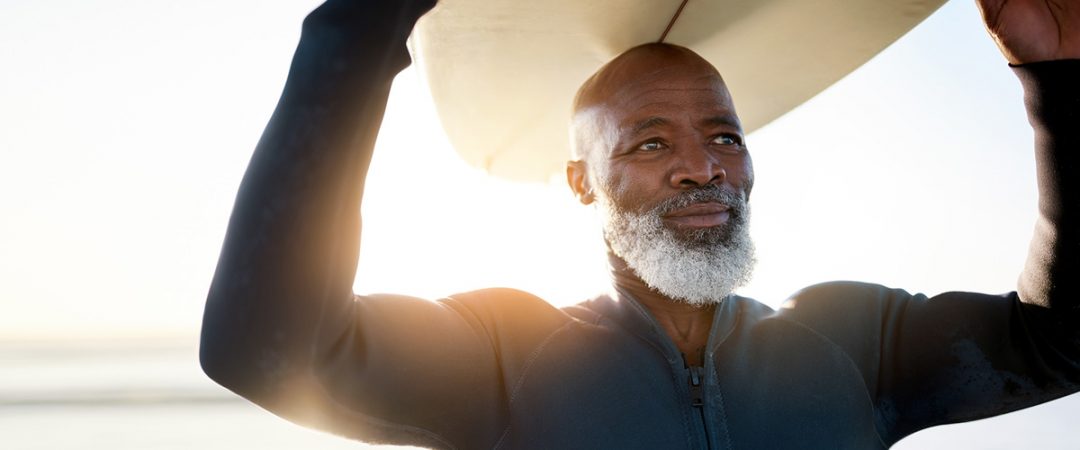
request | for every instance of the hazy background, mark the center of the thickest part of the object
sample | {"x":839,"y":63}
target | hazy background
{"x":125,"y":127}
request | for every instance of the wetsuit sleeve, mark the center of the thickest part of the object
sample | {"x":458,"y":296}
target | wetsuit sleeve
{"x":962,"y":356}
{"x":282,"y":326}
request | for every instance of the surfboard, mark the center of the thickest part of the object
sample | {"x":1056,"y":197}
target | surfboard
{"x":503,"y":73}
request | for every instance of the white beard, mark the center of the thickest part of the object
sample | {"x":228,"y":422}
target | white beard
{"x":701,"y":269}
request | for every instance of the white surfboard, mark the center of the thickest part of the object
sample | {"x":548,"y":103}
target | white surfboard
{"x":503,"y":73}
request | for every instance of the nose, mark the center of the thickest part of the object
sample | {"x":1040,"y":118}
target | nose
{"x":697,"y":167}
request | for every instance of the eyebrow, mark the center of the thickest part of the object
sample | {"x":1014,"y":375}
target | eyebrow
{"x":724,"y":120}
{"x":728,"y":120}
{"x":650,"y":122}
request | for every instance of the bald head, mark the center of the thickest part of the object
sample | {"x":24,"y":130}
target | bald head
{"x":633,"y":65}
{"x":614,"y":87}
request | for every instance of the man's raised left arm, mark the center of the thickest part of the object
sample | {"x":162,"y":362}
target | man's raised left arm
{"x":961,"y":356}
{"x":1041,"y":38}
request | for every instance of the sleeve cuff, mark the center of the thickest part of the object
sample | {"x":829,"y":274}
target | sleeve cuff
{"x":1051,"y":91}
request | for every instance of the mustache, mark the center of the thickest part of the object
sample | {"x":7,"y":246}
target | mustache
{"x":734,"y":200}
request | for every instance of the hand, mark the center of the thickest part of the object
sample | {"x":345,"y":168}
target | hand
{"x":1034,"y":30}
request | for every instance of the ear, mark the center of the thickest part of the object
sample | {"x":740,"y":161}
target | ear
{"x":577,"y":176}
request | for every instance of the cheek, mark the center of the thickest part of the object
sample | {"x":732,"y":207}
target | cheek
{"x":631,"y":191}
{"x":748,"y":175}
{"x":740,"y":172}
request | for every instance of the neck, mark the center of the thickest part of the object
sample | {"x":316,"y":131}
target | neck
{"x":687,"y":325}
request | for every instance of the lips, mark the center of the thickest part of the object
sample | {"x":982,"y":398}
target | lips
{"x":700,"y":215}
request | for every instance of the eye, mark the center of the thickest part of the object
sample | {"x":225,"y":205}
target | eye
{"x":727,"y":139}
{"x":652,"y":146}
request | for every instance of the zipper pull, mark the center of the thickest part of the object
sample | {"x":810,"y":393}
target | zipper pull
{"x":697,"y":396}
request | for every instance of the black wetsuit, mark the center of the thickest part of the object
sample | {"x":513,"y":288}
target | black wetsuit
{"x":845,"y":365}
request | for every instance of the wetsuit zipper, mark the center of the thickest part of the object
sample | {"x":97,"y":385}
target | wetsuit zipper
{"x":697,"y":399}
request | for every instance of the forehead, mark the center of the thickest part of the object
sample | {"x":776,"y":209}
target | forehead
{"x":653,"y":84}
{"x":667,"y":91}
{"x":653,"y":73}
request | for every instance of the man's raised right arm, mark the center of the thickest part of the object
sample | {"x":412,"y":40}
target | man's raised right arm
{"x":282,"y":326}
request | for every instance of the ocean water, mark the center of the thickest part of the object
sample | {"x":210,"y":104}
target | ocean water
{"x":150,"y":394}
{"x":128,"y":395}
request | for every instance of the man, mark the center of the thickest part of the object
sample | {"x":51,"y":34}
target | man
{"x":670,"y":359}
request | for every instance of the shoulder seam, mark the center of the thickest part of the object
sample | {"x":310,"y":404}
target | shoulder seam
{"x":464,"y":309}
{"x":847,"y":357}
{"x":525,"y":373}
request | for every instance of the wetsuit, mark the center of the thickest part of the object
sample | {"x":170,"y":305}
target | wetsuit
{"x":843,"y":365}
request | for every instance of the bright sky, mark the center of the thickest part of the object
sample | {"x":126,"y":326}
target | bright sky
{"x":125,"y":127}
